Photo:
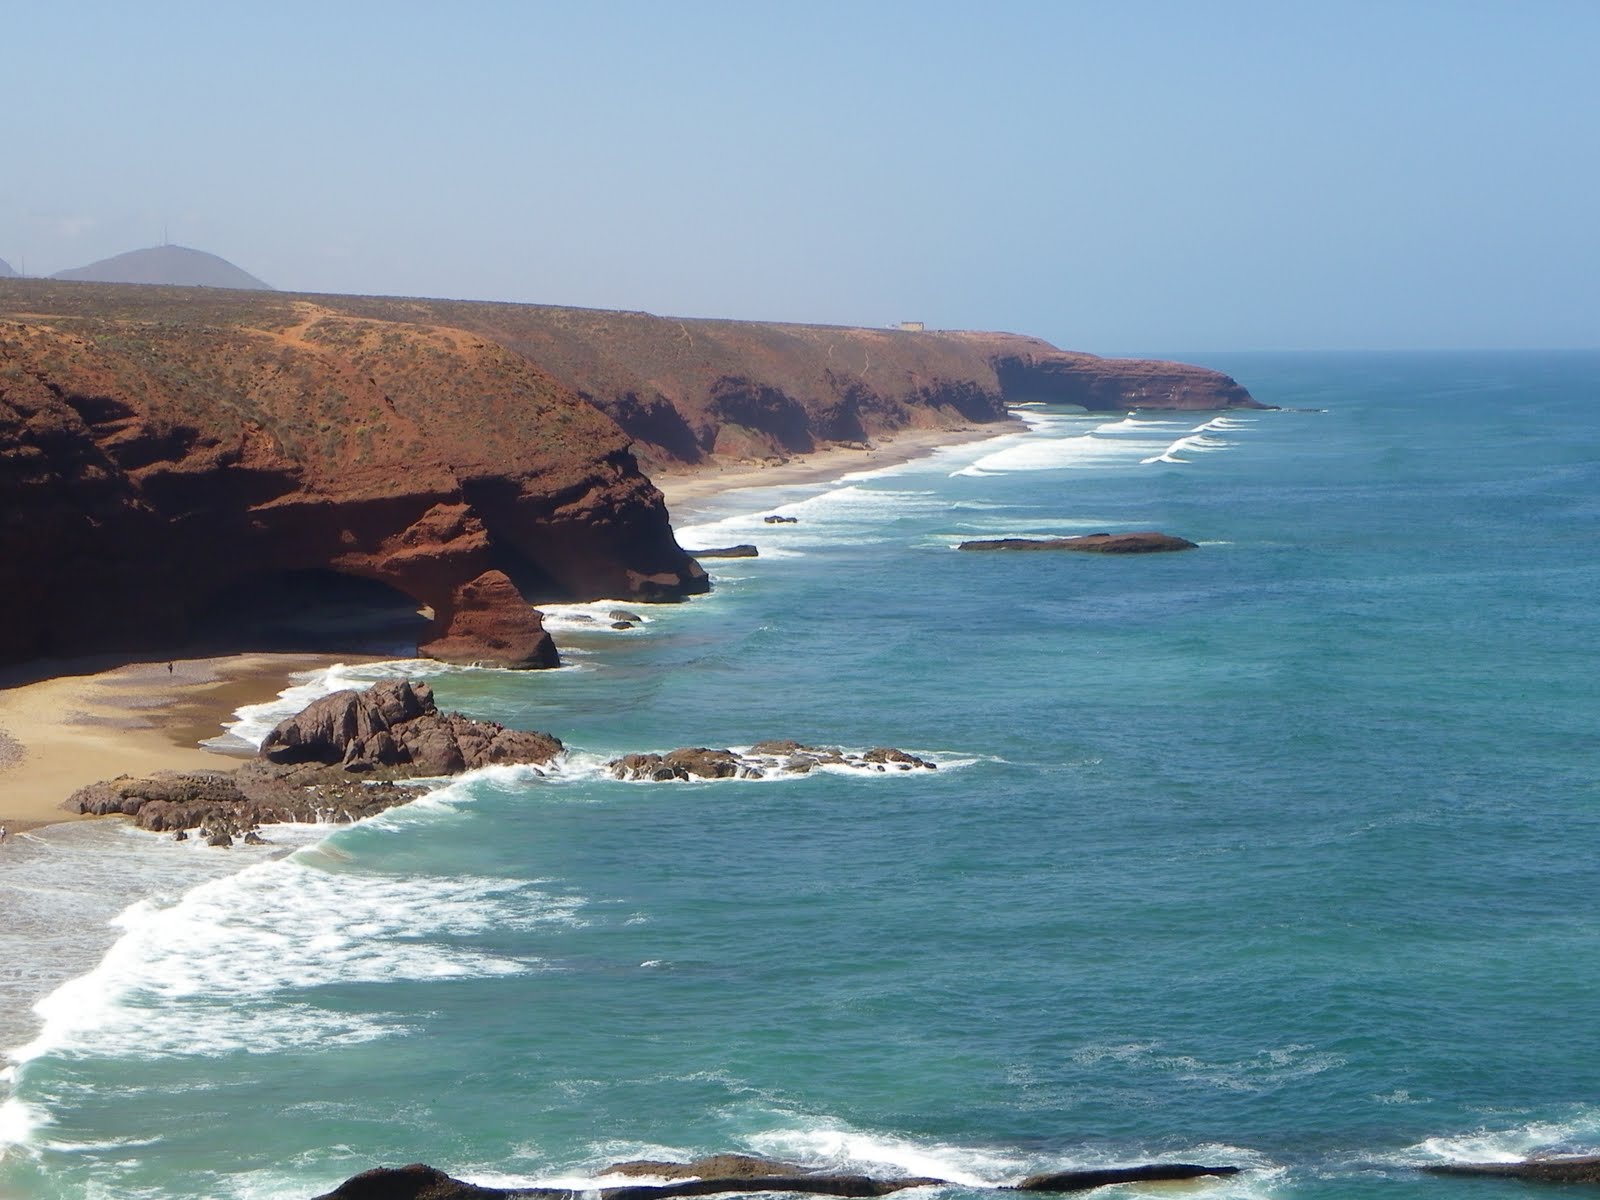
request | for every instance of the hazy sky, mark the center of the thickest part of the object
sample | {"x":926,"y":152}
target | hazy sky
{"x":1115,"y":176}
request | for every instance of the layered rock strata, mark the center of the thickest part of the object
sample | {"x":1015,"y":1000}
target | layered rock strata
{"x":163,"y":461}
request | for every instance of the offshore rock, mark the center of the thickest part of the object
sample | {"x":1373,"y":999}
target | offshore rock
{"x":1585,"y":1169}
{"x":722,"y":1174}
{"x":744,"y":550}
{"x":1145,"y":542}
{"x":1083,"y":1181}
{"x":760,"y":761}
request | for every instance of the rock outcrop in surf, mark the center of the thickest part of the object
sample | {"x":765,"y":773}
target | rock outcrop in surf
{"x":1143,"y":542}
{"x":722,"y":1174}
{"x":1580,"y":1169}
{"x":760,"y":761}
{"x":341,"y":758}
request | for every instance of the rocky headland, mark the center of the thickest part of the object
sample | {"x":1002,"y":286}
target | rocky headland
{"x":172,"y":457}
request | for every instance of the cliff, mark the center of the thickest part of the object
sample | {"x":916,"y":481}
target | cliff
{"x":162,"y":462}
{"x":695,"y":391}
{"x":169,"y":454}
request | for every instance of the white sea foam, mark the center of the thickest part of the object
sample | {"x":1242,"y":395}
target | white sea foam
{"x":208,"y":974}
{"x":586,"y":767}
{"x":1578,"y":1133}
{"x":597,"y":617}
{"x":850,"y":515}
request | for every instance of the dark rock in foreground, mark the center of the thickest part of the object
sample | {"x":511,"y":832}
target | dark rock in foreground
{"x":1082,"y":1181}
{"x":728,"y":1173}
{"x":1145,"y":542}
{"x":775,"y":519}
{"x":762,"y":759}
{"x":1539,"y":1170}
{"x":336,"y":760}
{"x":741,"y":551}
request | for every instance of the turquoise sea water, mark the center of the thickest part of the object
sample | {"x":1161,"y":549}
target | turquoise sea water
{"x":1280,"y":853}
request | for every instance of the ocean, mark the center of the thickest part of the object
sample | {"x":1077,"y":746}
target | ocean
{"x":1280,"y":853}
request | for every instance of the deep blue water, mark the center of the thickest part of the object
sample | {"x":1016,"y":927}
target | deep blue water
{"x":1281,"y":852}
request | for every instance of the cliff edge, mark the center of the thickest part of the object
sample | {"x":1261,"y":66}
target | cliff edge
{"x":161,"y":463}
{"x":168,"y":455}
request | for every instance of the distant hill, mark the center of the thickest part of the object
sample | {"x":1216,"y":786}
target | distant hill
{"x":174,"y":265}
{"x":5,"y":270}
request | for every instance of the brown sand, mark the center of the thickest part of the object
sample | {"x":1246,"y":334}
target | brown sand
{"x":684,"y":489}
{"x":84,"y":725}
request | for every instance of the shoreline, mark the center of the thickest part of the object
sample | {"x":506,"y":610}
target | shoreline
{"x":68,"y":723}
{"x":88,"y":721}
{"x":691,"y":486}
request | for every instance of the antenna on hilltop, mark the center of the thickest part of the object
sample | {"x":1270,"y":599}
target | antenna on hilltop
{"x":165,"y":240}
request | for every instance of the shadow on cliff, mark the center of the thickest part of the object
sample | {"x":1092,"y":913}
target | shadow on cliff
{"x":317,"y":611}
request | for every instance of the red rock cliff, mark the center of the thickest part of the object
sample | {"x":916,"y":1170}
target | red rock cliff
{"x":163,"y":449}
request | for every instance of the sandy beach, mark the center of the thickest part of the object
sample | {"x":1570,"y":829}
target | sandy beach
{"x":67,"y":724}
{"x":692,"y":485}
{"x":94,"y":721}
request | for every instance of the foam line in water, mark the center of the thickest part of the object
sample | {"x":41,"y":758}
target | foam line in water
{"x":1579,"y":1133}
{"x":206,"y":975}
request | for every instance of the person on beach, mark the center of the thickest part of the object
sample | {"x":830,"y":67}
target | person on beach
{"x":2,"y":833}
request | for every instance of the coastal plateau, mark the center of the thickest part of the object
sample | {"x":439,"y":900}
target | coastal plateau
{"x":172,"y":459}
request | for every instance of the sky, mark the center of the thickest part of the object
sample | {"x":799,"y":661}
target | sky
{"x":1122,"y":176}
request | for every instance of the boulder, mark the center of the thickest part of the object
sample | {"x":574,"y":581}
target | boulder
{"x":395,"y":727}
{"x":1144,"y":542}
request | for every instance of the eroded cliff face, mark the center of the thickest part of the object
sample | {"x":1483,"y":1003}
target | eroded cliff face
{"x":156,"y":459}
{"x":696,"y":391}
{"x":166,"y":451}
